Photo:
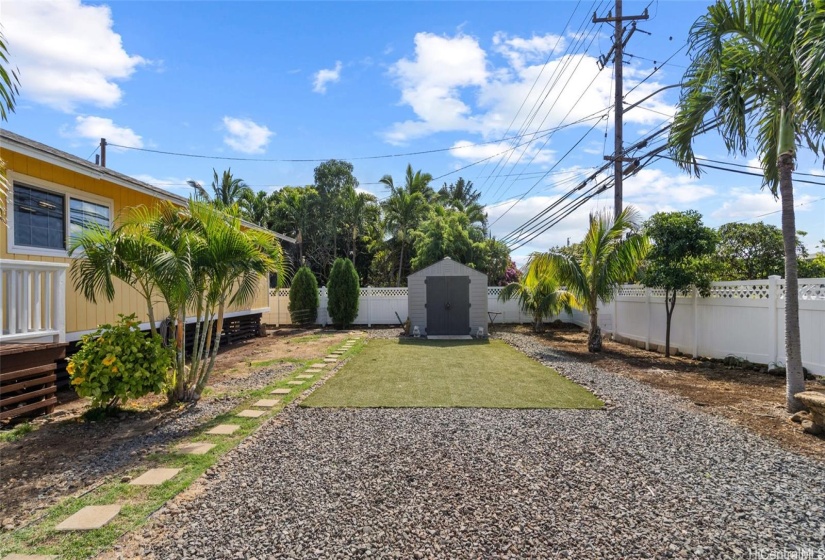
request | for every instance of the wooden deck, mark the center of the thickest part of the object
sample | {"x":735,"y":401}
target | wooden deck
{"x":27,"y":377}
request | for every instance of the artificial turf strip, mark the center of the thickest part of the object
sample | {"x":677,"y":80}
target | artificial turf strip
{"x":448,"y":373}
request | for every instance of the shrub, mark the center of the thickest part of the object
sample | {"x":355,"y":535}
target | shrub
{"x":303,"y":297}
{"x":344,"y":290}
{"x":119,"y":362}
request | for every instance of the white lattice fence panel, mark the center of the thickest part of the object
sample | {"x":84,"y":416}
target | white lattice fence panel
{"x":631,"y":290}
{"x":740,"y":290}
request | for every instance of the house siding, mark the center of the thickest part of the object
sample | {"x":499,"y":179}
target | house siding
{"x":82,"y":315}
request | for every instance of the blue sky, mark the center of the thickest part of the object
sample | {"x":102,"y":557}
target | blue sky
{"x":303,"y":80}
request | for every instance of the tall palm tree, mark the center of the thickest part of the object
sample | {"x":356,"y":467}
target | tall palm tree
{"x":226,"y":189}
{"x":539,"y":295}
{"x":417,"y":182}
{"x":611,"y":254}
{"x":403,"y":210}
{"x":258,"y":208}
{"x":357,"y":208}
{"x":757,"y":66}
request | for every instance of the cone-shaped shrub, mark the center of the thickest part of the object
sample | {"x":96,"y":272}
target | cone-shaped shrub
{"x":344,"y":290}
{"x":303,"y":297}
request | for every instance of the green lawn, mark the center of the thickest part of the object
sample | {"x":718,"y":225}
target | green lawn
{"x":481,"y":374}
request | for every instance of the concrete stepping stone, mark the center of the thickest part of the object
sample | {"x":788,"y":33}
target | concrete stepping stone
{"x":313,"y":370}
{"x":195,"y":448}
{"x":295,"y":382}
{"x":331,"y":357}
{"x":280,"y":392}
{"x":330,"y":360}
{"x":88,"y":518}
{"x":155,"y":477}
{"x":251,"y":413}
{"x":16,"y":556}
{"x":321,"y":365}
{"x":224,"y":429}
{"x":304,"y":376}
{"x":267,"y":403}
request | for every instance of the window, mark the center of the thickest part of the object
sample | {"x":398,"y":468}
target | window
{"x":45,"y":220}
{"x":39,"y":218}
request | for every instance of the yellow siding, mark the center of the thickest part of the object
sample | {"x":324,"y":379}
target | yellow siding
{"x":82,"y":315}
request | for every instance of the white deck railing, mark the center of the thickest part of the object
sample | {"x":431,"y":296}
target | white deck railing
{"x":32,"y":301}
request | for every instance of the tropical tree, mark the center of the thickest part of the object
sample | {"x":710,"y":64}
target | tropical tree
{"x":539,"y":295}
{"x":612,"y":251}
{"x":258,"y":208}
{"x":678,"y":260}
{"x":463,"y":197}
{"x":226,"y":189}
{"x":758,"y":67}
{"x":402,"y":212}
{"x":198,"y":259}
{"x":9,"y":83}
{"x":417,"y":182}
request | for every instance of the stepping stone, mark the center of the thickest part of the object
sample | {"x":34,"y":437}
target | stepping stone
{"x":320,"y":365}
{"x":154,"y":477}
{"x":196,"y":448}
{"x":295,"y":382}
{"x":280,"y":392}
{"x":16,"y":556}
{"x":331,"y":357}
{"x":267,"y":403}
{"x":304,"y":376}
{"x":313,"y":370}
{"x":88,"y":518}
{"x":251,"y":413}
{"x":224,"y":429}
{"x":330,"y":360}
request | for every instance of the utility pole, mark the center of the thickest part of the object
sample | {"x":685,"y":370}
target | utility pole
{"x":103,"y":152}
{"x":617,"y":52}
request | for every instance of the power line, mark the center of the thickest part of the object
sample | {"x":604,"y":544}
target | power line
{"x":741,"y":172}
{"x":778,"y":211}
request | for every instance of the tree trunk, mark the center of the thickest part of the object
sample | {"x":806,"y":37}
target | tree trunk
{"x":795,"y":378}
{"x":400,"y":265}
{"x":670,"y":305}
{"x":594,"y":337}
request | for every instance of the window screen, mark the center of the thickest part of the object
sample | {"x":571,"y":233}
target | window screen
{"x":39,"y":218}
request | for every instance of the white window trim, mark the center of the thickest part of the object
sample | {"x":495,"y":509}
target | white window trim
{"x":55,"y":188}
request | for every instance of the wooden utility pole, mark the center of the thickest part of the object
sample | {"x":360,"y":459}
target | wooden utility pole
{"x":617,"y":52}
{"x":103,"y":152}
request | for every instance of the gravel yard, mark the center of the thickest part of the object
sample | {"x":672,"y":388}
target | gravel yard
{"x":651,"y":476}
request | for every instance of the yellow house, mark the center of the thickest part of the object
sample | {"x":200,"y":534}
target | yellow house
{"x":54,"y":194}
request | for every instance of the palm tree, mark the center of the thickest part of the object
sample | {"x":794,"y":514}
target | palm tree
{"x":539,"y":295}
{"x":357,"y":209}
{"x":757,"y":66}
{"x":417,"y":182}
{"x":227,"y":189}
{"x":198,"y":260}
{"x":8,"y":92}
{"x":258,"y":208}
{"x":402,"y":211}
{"x":608,"y":260}
{"x":463,"y":197}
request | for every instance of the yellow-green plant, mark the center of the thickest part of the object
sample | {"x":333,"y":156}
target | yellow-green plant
{"x":118,"y":362}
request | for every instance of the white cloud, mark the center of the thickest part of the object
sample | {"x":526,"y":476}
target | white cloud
{"x":244,"y":135}
{"x":746,"y":204}
{"x":67,"y":53}
{"x":503,"y":153}
{"x":818,"y":171}
{"x":327,"y":76}
{"x":176,"y":185}
{"x":451,"y":84}
{"x":95,"y":128}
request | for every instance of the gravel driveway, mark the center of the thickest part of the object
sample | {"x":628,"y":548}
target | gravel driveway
{"x":652,"y":476}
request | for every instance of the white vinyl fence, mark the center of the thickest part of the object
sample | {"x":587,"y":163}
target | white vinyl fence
{"x":743,"y":319}
{"x":378,"y":306}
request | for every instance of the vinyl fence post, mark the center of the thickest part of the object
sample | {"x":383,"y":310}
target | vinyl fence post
{"x":647,"y":310}
{"x":369,"y":306}
{"x":695,"y":322}
{"x":773,"y":327}
{"x":616,"y":314}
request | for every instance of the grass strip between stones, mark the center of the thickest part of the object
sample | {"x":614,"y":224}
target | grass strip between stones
{"x":139,"y":502}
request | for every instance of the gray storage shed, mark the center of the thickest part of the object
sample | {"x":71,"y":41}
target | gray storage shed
{"x":448,"y":298}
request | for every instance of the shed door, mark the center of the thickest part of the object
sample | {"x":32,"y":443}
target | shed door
{"x":448,"y":305}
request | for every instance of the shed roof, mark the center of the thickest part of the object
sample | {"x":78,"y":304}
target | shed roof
{"x":29,"y":147}
{"x":470,"y":270}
